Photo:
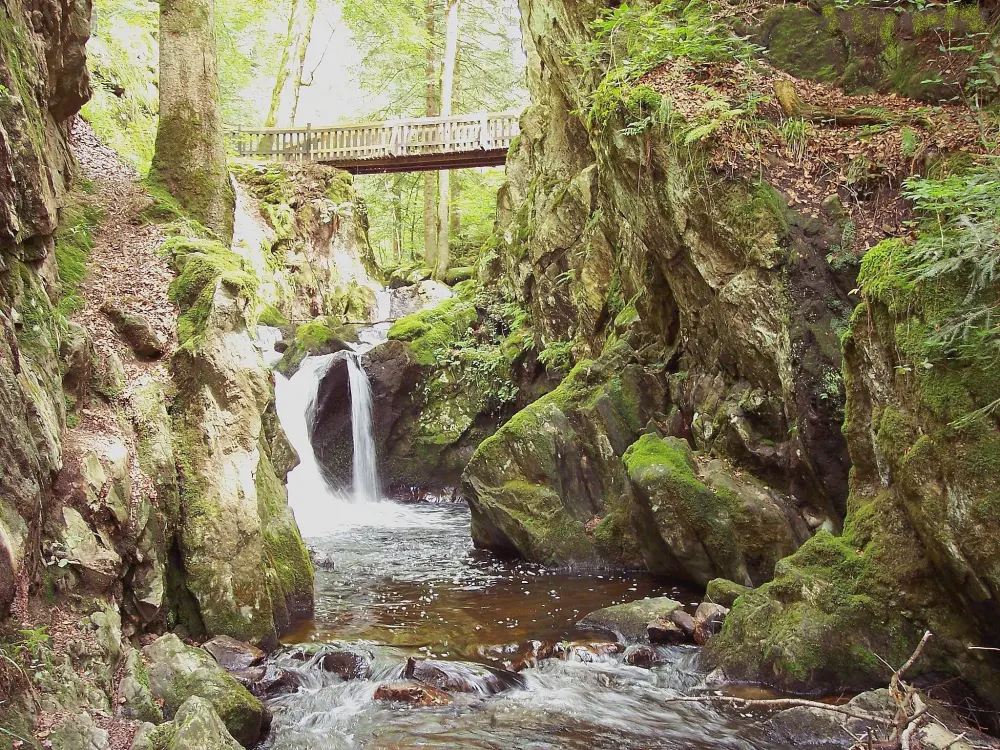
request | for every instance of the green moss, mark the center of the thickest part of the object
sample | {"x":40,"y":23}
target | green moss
{"x":203,"y":264}
{"x":73,"y":242}
{"x":271,"y":316}
{"x":433,"y":332}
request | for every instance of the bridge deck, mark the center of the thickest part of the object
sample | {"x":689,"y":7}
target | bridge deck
{"x":418,"y":145}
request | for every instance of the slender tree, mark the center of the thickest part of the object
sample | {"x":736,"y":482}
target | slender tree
{"x":284,"y":68}
{"x":304,"y":39}
{"x":431,"y":110}
{"x":190,"y":156}
{"x":443,"y":255}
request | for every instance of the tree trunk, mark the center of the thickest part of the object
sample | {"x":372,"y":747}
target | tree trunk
{"x":190,"y":156}
{"x":444,"y":180}
{"x":397,"y":218}
{"x":304,"y":41}
{"x":431,"y":101}
{"x":283,"y":69}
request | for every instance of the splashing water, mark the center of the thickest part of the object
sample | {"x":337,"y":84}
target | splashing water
{"x":366,"y":488}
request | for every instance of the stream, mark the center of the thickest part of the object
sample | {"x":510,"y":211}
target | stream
{"x":396,"y":581}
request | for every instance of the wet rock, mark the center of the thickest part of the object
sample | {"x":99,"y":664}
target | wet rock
{"x":178,"y":672}
{"x":321,"y":560}
{"x":412,"y":692}
{"x":586,"y":652}
{"x":629,"y":621}
{"x":708,"y":619}
{"x":135,"y":331}
{"x":517,"y":657}
{"x":641,"y":655}
{"x":461,"y":677}
{"x":932,"y":736}
{"x":268,"y":681}
{"x":803,"y":726}
{"x":231,"y":654}
{"x":724,"y":592}
{"x":196,"y":725}
{"x":349,"y":664}
{"x":665,"y":631}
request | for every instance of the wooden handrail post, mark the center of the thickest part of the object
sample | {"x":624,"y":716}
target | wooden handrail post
{"x":484,"y":132}
{"x":308,"y":146}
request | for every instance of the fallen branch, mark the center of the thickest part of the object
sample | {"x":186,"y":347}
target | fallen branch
{"x":780,"y":703}
{"x":793,"y":106}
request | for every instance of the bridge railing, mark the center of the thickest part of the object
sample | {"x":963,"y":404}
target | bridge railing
{"x":379,"y":140}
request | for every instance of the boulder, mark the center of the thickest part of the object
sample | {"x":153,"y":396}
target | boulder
{"x":231,"y":654}
{"x":641,"y":655}
{"x":804,"y":726}
{"x":178,"y":672}
{"x":313,"y":339}
{"x":79,"y":733}
{"x":135,"y":331}
{"x":135,"y":698}
{"x":629,"y":621}
{"x":348,"y":663}
{"x":708,"y":620}
{"x":195,"y":725}
{"x":411,"y":692}
{"x":461,"y":677}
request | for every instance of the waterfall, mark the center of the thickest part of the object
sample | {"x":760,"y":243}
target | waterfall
{"x":366,"y":488}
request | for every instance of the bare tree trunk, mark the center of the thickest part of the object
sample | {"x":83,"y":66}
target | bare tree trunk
{"x":432,"y":101}
{"x":397,"y":218}
{"x":283,"y":69}
{"x":190,"y":156}
{"x":304,"y":41}
{"x":444,"y":180}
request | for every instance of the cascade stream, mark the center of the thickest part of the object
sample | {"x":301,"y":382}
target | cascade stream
{"x":403,"y":581}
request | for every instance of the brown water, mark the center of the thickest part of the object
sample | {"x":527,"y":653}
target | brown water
{"x":408,"y":582}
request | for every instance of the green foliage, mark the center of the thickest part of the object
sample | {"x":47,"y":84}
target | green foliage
{"x":796,"y":133}
{"x":74,"y":241}
{"x":123,"y":55}
{"x":633,"y":39}
{"x":557,"y":356}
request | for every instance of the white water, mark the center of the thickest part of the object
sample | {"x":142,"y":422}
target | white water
{"x":366,"y":488}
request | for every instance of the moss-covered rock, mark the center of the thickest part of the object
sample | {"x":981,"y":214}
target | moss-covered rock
{"x":916,"y":552}
{"x":240,"y":581}
{"x":313,"y":339}
{"x":178,"y":673}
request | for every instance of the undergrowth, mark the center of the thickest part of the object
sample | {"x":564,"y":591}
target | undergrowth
{"x":633,"y":39}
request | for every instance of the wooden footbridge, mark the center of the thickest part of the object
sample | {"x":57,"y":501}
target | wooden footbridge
{"x":418,"y":145}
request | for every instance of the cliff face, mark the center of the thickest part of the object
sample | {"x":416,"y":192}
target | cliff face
{"x":708,"y":303}
{"x":43,"y":83}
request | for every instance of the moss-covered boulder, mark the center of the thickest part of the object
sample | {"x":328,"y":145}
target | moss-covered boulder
{"x":178,"y":673}
{"x":313,"y":339}
{"x":550,"y":486}
{"x":628,"y":621}
{"x":196,"y":725}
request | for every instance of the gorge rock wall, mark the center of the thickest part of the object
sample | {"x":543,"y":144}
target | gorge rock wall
{"x":43,"y":82}
{"x":720,"y":290}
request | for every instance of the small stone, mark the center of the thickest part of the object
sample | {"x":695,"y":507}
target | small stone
{"x":233,"y":655}
{"x":708,"y":620}
{"x":135,"y":331}
{"x":641,"y":655}
{"x":665,"y":631}
{"x":411,"y":692}
{"x":461,"y":677}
